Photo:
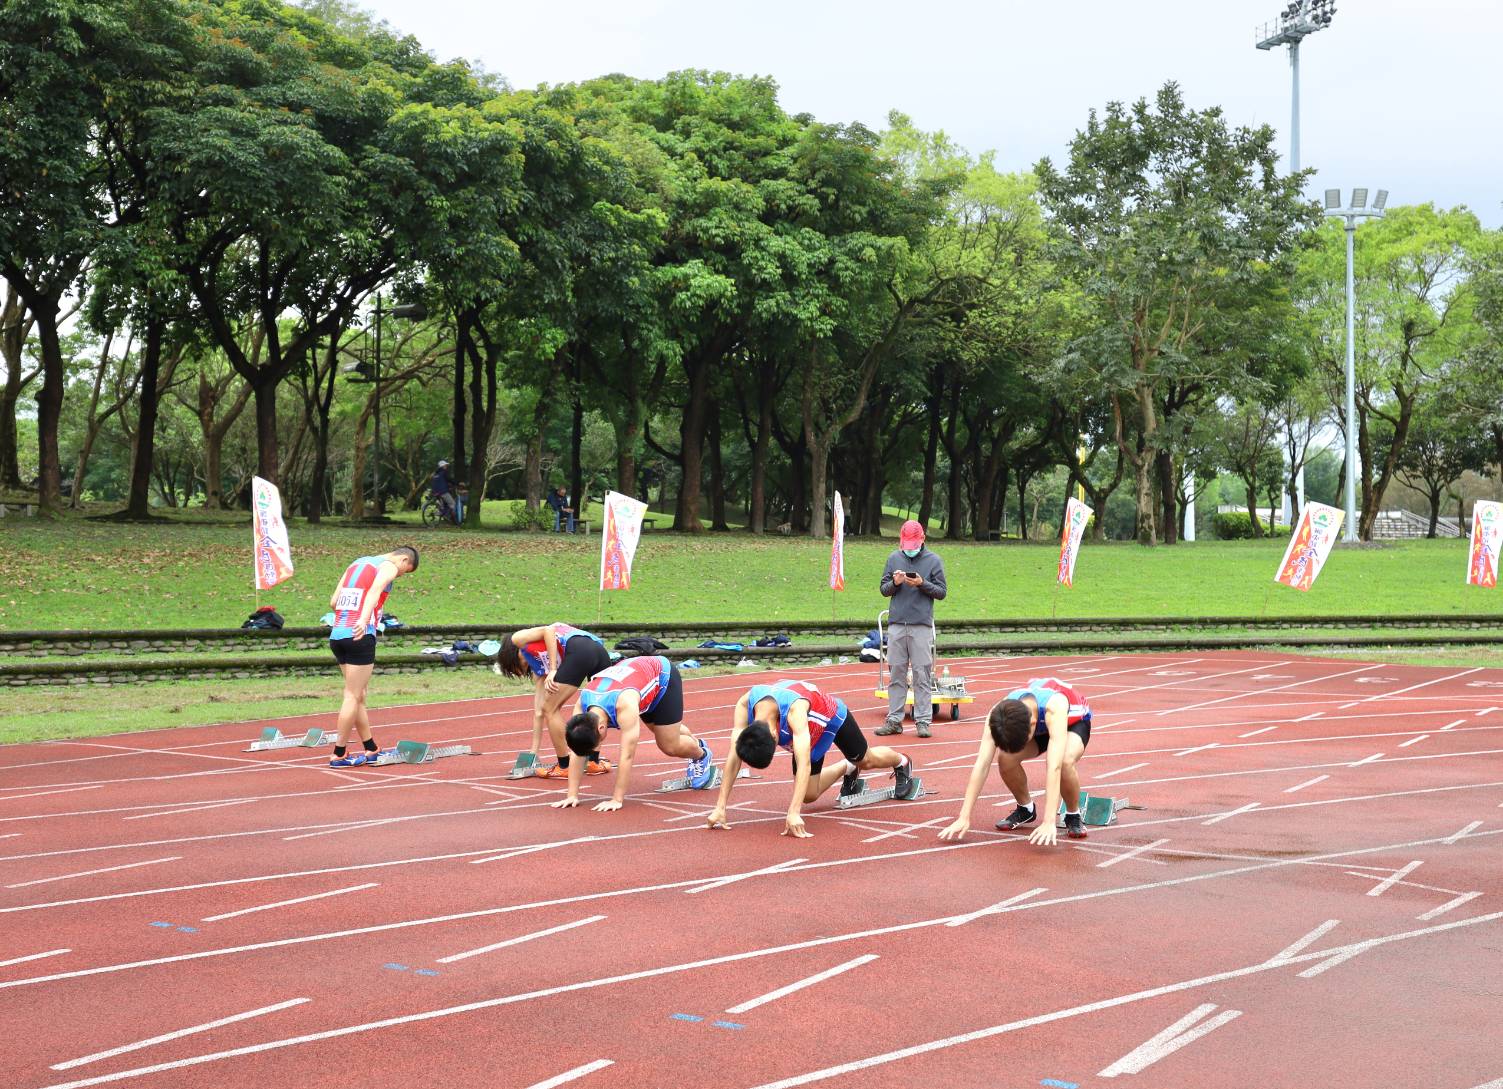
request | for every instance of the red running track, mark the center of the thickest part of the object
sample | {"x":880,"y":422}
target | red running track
{"x":1311,"y":895}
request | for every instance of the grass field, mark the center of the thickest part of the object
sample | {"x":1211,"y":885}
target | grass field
{"x":85,"y":574}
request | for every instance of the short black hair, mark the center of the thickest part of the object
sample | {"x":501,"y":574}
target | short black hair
{"x":582,"y":734}
{"x":410,"y":552}
{"x":1011,"y":724}
{"x":755,"y":745}
{"x":510,"y":659}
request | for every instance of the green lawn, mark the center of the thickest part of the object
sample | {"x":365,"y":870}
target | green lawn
{"x":86,"y":574}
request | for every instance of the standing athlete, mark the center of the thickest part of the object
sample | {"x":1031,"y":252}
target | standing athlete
{"x":1045,"y":718}
{"x":643,"y":690}
{"x":561,"y":658}
{"x":797,"y":716}
{"x":357,"y":602}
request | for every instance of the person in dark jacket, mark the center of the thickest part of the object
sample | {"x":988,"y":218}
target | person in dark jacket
{"x":914,"y":579}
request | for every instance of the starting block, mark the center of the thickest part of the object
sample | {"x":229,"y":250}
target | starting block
{"x":420,"y":752}
{"x":526,"y":764}
{"x":682,"y":783}
{"x":867,"y":797}
{"x":271,"y":738}
{"x":1098,"y":811}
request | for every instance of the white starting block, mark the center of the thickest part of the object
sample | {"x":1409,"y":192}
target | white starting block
{"x":420,"y":752}
{"x":272,"y":738}
{"x":682,"y":783}
{"x":526,"y":765}
{"x":867,"y":797}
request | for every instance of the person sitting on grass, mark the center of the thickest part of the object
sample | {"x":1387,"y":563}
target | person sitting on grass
{"x":560,"y":658}
{"x":357,"y":602}
{"x":800,"y":718}
{"x":1046,"y":718}
{"x":645,"y":690}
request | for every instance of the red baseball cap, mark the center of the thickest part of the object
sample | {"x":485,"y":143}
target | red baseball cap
{"x":911,"y":535}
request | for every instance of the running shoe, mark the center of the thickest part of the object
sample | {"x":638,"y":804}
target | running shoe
{"x":903,"y":773}
{"x":598,"y":767}
{"x":1074,"y":826}
{"x":374,"y":758}
{"x":552,"y":771}
{"x":352,"y":760}
{"x":887,"y":729}
{"x":923,"y":730}
{"x":1018,"y":817}
{"x":702,"y":769}
{"x":852,"y":783}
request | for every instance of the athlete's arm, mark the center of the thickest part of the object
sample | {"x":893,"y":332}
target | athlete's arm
{"x":528,"y":635}
{"x":716,"y":818}
{"x":1057,"y":718}
{"x":630,"y":723}
{"x":386,"y":574}
{"x":577,"y":766}
{"x":798,"y":726}
{"x":986,"y":753}
{"x":550,"y":638}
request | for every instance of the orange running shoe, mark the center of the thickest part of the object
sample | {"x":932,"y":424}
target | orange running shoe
{"x":598,"y":767}
{"x":552,"y":771}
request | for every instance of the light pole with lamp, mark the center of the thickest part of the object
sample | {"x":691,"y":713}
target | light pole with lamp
{"x":371,"y":372}
{"x":1351,"y":213}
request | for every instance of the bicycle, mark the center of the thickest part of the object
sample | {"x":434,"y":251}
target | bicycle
{"x":436,"y":512}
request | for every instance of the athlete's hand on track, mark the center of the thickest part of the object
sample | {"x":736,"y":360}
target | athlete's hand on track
{"x":564,"y":803}
{"x":608,"y":806}
{"x":716,"y":819}
{"x":549,"y":683}
{"x":955,"y":831}
{"x":1046,"y":835}
{"x":795,"y":828}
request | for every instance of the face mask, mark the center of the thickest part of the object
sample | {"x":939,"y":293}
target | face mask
{"x":912,"y":552}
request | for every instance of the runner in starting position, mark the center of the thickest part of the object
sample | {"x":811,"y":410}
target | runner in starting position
{"x":561,"y":658}
{"x":643,"y":690}
{"x":1048,"y":718}
{"x":797,"y":716}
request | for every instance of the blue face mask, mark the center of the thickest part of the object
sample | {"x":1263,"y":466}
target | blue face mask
{"x":912,"y":552}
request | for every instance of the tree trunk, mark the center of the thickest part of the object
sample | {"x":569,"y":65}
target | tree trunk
{"x":323,"y":390}
{"x":1251,"y":484}
{"x":458,"y":460}
{"x":819,"y":462}
{"x":265,"y":390}
{"x":1023,"y":527}
{"x":1168,"y":494}
{"x":49,"y":410}
{"x":483,"y":425}
{"x":691,"y":447}
{"x":576,"y":445}
{"x":1435,"y":498}
{"x":138,"y":503}
{"x":758,"y":502}
{"x":13,"y":329}
{"x":357,"y":465}
{"x":717,"y":476}
{"x":931,"y":447}
{"x":93,"y":422}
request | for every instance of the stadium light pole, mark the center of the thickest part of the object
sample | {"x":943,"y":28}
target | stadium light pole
{"x":1356,"y":209}
{"x":1298,"y":20}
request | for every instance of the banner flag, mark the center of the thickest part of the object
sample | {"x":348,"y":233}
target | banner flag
{"x":1309,"y":545}
{"x":273,"y":553}
{"x":1077,"y":514}
{"x":837,"y":546}
{"x":1487,"y":536}
{"x":618,"y":539}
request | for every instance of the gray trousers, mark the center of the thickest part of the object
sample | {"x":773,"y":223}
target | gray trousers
{"x":908,"y":646}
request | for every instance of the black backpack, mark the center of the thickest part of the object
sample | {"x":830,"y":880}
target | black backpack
{"x":264,"y":618}
{"x":642,"y":644}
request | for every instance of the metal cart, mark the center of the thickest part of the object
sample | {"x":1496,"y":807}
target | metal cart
{"x":949,"y":690}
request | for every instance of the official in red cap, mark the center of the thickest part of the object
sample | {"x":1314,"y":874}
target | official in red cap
{"x":914,"y":579}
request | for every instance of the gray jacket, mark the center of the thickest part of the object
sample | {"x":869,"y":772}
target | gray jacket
{"x":914,"y":604}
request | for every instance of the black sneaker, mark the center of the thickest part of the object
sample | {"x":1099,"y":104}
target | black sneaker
{"x":903,"y":773}
{"x":852,"y":783}
{"x":1074,"y":826}
{"x":1017,"y":818}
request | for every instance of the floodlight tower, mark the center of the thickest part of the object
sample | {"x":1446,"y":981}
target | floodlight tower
{"x":1357,"y":209}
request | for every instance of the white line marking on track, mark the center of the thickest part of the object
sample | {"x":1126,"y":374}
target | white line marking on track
{"x":533,"y":849}
{"x":1255,"y":733}
{"x":1219,"y":817}
{"x":1198,"y":748}
{"x":1496,"y":1084}
{"x":289,"y":903}
{"x":1394,"y":878}
{"x":1307,"y":718}
{"x":355,"y":826}
{"x":91,"y":873}
{"x":1449,"y":905}
{"x":188,"y":809}
{"x":1125,"y":855}
{"x":520,"y":939}
{"x":44,"y":793}
{"x":907,"y":828}
{"x":1307,"y":783}
{"x":1327,"y":965}
{"x":1452,"y":725}
{"x":33,"y":956}
{"x":1421,"y":684}
{"x":1171,"y":1040}
{"x":570,"y":1075}
{"x":1119,"y":771}
{"x":731,"y":879}
{"x":179,"y":1034}
{"x":809,"y":981}
{"x":1266,"y":691}
{"x":1412,"y":741}
{"x":1367,"y":760}
{"x":993,"y":909}
{"x":1463,"y":833}
{"x":1485,"y":711}
{"x":1309,"y":939}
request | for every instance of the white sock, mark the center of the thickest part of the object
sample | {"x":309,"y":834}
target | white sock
{"x":1072,"y":812}
{"x":1028,"y":807}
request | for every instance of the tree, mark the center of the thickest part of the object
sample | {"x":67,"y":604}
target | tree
{"x":1442,"y":445}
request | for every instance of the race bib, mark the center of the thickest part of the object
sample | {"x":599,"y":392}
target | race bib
{"x":348,"y":599}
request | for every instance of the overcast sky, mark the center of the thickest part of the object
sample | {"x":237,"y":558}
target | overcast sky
{"x":1397,"y":94}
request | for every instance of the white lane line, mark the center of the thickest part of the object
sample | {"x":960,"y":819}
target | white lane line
{"x":1412,"y":741}
{"x":288,"y":903}
{"x":1406,"y":884}
{"x":1327,"y":965}
{"x":1125,"y":855}
{"x":1393,"y":879}
{"x":1266,"y":691}
{"x":179,"y":1034}
{"x":1255,"y":733}
{"x":571,"y":1075}
{"x":44,"y":793}
{"x":1452,"y":725}
{"x":1307,"y":718}
{"x":12,"y":835}
{"x":992,"y":909}
{"x":33,"y":956}
{"x":1449,"y":905}
{"x":701,"y":812}
{"x":1171,"y":1040}
{"x":1495,"y":1084}
{"x":1484,"y":711}
{"x":906,"y":829}
{"x":1421,"y":684}
{"x":520,"y":939}
{"x":1367,"y":760}
{"x":189,"y":809}
{"x":91,"y":873}
{"x":731,"y":879}
{"x":1219,"y":817}
{"x":1197,"y":748}
{"x":1119,"y":771}
{"x":1463,"y":833}
{"x":1031,"y":1022}
{"x":1307,"y":783}
{"x":536,"y":847}
{"x":809,"y":981}
{"x":356,"y":826}
{"x":1309,"y":939}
